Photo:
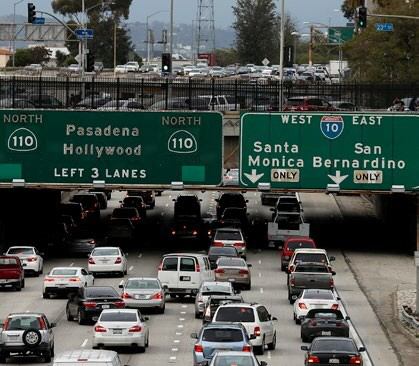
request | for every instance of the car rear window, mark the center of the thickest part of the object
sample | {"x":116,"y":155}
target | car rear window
{"x":101,"y":292}
{"x":233,"y":200}
{"x":222,"y":251}
{"x":88,"y":199}
{"x":292,"y":245}
{"x":222,"y":335}
{"x":124,"y":212}
{"x":318,"y":295}
{"x":118,"y":316}
{"x":4,"y":262}
{"x":311,"y":268}
{"x":64,"y":272}
{"x":187,"y":264}
{"x":231,"y":262}
{"x":170,"y":264}
{"x":20,"y":251}
{"x":235,"y":314}
{"x":326,"y":316}
{"x":23,"y":323}
{"x":223,"y":360}
{"x":103,"y":251}
{"x":208,"y":289}
{"x":228,"y":235}
{"x":311,"y":257}
{"x":333,"y":345}
{"x":133,"y":200}
{"x":142,"y":284}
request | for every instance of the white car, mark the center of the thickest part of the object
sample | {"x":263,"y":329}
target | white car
{"x":314,"y":299}
{"x":74,"y":68}
{"x":31,"y":259}
{"x":230,"y":237}
{"x":123,"y":327}
{"x":64,"y":280}
{"x":108,"y":260}
{"x":121,"y":69}
{"x":133,"y":66}
{"x":211,"y":288}
{"x":231,"y":178}
{"x":195,"y":73}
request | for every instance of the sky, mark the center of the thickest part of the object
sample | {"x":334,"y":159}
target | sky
{"x":322,"y":11}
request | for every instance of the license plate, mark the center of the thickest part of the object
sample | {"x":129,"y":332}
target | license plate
{"x":104,"y":261}
{"x":117,"y":331}
{"x":61,"y":286}
{"x":231,"y":280}
{"x":139,"y":297}
{"x":326,"y":333}
{"x":105,"y":306}
{"x":185,"y":278}
{"x":334,"y":360}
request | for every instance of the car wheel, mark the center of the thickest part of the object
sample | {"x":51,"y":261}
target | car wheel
{"x":45,"y":295}
{"x":282,"y":267}
{"x":260,"y":350}
{"x":80,"y":319}
{"x":297,"y":321}
{"x":161,"y":310}
{"x":148,"y":340}
{"x":18,"y":287}
{"x":304,"y":339}
{"x":36,"y":273}
{"x":31,"y":337}
{"x":126,"y":271}
{"x":3,"y":358}
{"x":69,"y":316}
{"x":248,"y":287}
{"x":41,"y":271}
{"x":141,"y":349}
{"x":152,"y":205}
{"x":272,"y":345}
{"x":23,"y":283}
{"x":52,"y":351}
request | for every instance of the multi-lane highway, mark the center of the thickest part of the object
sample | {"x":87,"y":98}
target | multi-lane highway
{"x":170,"y":341}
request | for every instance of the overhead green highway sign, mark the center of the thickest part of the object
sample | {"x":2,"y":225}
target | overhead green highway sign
{"x":124,"y":148}
{"x":357,"y":151}
{"x":339,"y":35}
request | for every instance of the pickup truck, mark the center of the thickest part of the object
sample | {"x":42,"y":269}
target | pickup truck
{"x":309,"y":276}
{"x":214,"y":103}
{"x":286,"y":225}
{"x":11,"y":272}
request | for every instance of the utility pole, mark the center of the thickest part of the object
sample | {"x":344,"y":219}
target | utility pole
{"x":310,"y":50}
{"x":281,"y":55}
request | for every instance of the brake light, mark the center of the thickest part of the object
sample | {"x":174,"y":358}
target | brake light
{"x":49,"y":279}
{"x":256,"y":332}
{"x":218,"y":244}
{"x":335,"y":306}
{"x":157,"y":296}
{"x":291,"y":268}
{"x":160,"y":266}
{"x":239,"y":244}
{"x":89,"y":304}
{"x":119,"y":304}
{"x":338,"y":324}
{"x":100,"y":329}
{"x":135,"y":218}
{"x":135,"y":329}
{"x":219,"y":270}
{"x":357,"y":360}
{"x":331,"y":282}
{"x":126,"y":296}
{"x":244,"y":272}
{"x":32,"y":259}
{"x":91,"y":261}
{"x":198,"y":348}
{"x":5,"y":324}
{"x":173,"y":232}
{"x":92,"y":241}
{"x":247,"y":349}
{"x":118,"y":260}
{"x":292,"y":281}
{"x":313,"y":359}
{"x":313,"y":324}
{"x":197,"y":267}
{"x":301,"y":305}
{"x":194,"y":232}
{"x":42,"y":323}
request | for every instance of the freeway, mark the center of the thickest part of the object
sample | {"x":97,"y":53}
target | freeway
{"x":169,"y":333}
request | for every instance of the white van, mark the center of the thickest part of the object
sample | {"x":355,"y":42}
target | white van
{"x":87,"y":357}
{"x":182,"y":273}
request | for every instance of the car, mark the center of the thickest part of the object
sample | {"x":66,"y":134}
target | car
{"x":65,"y":280}
{"x":144,"y":292}
{"x":121,"y":105}
{"x":74,"y":209}
{"x":98,"y":66}
{"x":30,"y":257}
{"x":74,"y":68}
{"x":137,"y":202}
{"x":120,"y":231}
{"x":207,"y":289}
{"x":193,"y":73}
{"x":121,"y":69}
{"x":239,"y":358}
{"x":235,"y":217}
{"x":314,"y":299}
{"x":81,"y":243}
{"x":333,"y":350}
{"x":290,"y":245}
{"x":11,"y":272}
{"x":69,"y":222}
{"x":187,"y":205}
{"x":230,"y":237}
{"x":214,"y":301}
{"x":93,"y":102}
{"x":324,"y":322}
{"x":132,"y":66}
{"x":313,"y":255}
{"x":90,"y":203}
{"x":187,"y":228}
{"x":234,"y":270}
{"x":33,"y":69}
{"x":149,"y":197}
{"x":220,"y":336}
{"x":88,"y":302}
{"x":41,"y":100}
{"x":121,"y":327}
{"x":101,"y":197}
{"x":27,"y":334}
{"x":344,"y":106}
{"x":230,"y":199}
{"x":129,"y":213}
{"x":90,"y":357}
{"x":179,"y":103}
{"x":216,"y":252}
{"x":231,"y":178}
{"x":263,"y":103}
{"x":307,"y":103}
{"x":108,"y":260}
{"x":17,"y":103}
{"x":287,"y":203}
{"x":255,"y":318}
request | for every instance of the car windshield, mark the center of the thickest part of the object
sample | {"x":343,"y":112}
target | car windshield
{"x":142,"y":284}
{"x":312,"y":268}
{"x":208,"y":289}
{"x":292,"y":245}
{"x":326,"y":316}
{"x":222,"y":335}
{"x":318,"y":295}
{"x":234,"y":360}
{"x":105,"y":251}
{"x":311,"y":257}
{"x":230,"y":262}
{"x":118,"y":316}
{"x":327,"y":345}
{"x":235,"y":314}
{"x":8,"y":262}
{"x":64,"y":272}
{"x":233,"y":200}
{"x":20,"y":251}
{"x":228,"y":235}
{"x":23,"y":322}
{"x":101,"y":292}
{"x":133,"y":200}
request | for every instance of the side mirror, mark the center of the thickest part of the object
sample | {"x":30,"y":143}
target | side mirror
{"x":347,"y":318}
{"x":95,"y":318}
{"x":120,"y":201}
{"x":145,"y":318}
{"x":361,"y":349}
{"x":274,"y":319}
{"x":332,"y":258}
{"x":24,"y":265}
{"x":121,"y":286}
{"x":252,"y":336}
{"x":304,"y":348}
{"x":200,"y":199}
{"x":217,"y":200}
{"x":88,"y":256}
{"x":333,"y":273}
{"x":53,"y":325}
{"x":338,"y":298}
{"x":263,"y":363}
{"x":247,"y":201}
{"x":194,"y":335}
{"x":249,"y":265}
{"x":173,"y":199}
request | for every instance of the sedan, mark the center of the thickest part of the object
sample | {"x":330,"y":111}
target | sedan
{"x":64,"y":280}
{"x":88,"y":302}
{"x":314,"y":299}
{"x":333,"y":350}
{"x":144,"y":292}
{"x":230,"y":237}
{"x":211,"y":288}
{"x":234,"y":270}
{"x":108,"y":260}
{"x":31,"y":259}
{"x":137,"y":202}
{"x":130,"y":213}
{"x":324,"y":322}
{"x":121,"y":69}
{"x":238,"y":358}
{"x":124,"y":327}
{"x":216,"y":252}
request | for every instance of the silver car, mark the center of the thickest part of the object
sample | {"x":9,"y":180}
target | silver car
{"x":234,"y":270}
{"x":144,"y":292}
{"x":231,"y":237}
{"x":234,"y":358}
{"x":211,"y":288}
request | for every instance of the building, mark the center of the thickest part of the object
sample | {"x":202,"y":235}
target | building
{"x":4,"y":57}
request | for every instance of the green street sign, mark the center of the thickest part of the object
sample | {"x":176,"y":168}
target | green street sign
{"x":339,"y":35}
{"x":123,"y":148}
{"x":357,"y":151}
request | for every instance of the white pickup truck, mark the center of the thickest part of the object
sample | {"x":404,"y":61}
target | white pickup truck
{"x":286,"y":225}
{"x":216,"y":103}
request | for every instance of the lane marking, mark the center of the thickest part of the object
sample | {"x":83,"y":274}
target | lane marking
{"x":167,"y":204}
{"x":269,"y":355}
{"x":175,"y":349}
{"x":84,"y":343}
{"x":184,"y":306}
{"x":162,"y":214}
{"x":260,"y":274}
{"x":178,"y":334}
{"x":140,"y":255}
{"x":120,"y":283}
{"x":71,"y":265}
{"x":27,"y":311}
{"x":170,"y":196}
{"x":173,"y":358}
{"x":182,"y":319}
{"x":183,"y":312}
{"x":176,"y":341}
{"x":261,"y":290}
{"x":260,"y":262}
{"x":180,"y":326}
{"x":130,"y":268}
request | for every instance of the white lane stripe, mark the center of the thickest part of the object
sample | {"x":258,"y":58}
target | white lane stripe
{"x":255,"y":194}
{"x":184,"y":306}
{"x":183,"y":312}
{"x":27,"y":311}
{"x":130,"y":268}
{"x":260,"y":274}
{"x":260,"y":262}
{"x":180,"y":326}
{"x":167,"y":204}
{"x":170,"y":196}
{"x":269,"y":355}
{"x":173,"y":358}
{"x":261,"y":290}
{"x":140,"y":255}
{"x":178,"y":334}
{"x":176,"y":341}
{"x":182,"y":319}
{"x":84,"y":343}
{"x":71,"y":265}
{"x":175,"y":349}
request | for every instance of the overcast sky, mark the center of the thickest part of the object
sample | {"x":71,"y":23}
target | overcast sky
{"x":186,"y":10}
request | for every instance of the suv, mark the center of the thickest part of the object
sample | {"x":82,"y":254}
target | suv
{"x":307,"y":103}
{"x":309,"y":255}
{"x":230,"y":237}
{"x":230,"y":199}
{"x":148,"y":197}
{"x":136,"y":202}
{"x":255,"y":318}
{"x":209,"y":288}
{"x":90,"y":205}
{"x":27,"y":334}
{"x":187,"y":205}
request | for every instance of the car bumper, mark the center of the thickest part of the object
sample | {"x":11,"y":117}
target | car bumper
{"x":119,"y":340}
{"x":30,"y":266}
{"x":337,"y":332}
{"x":9,"y":281}
{"x":133,"y":303}
{"x":198,"y":358}
{"x":233,"y":279}
{"x":16,"y":348}
{"x":105,"y":268}
{"x":179,"y":291}
{"x":61,"y":290}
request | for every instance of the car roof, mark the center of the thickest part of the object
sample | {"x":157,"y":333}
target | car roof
{"x":223,"y":325}
{"x":108,"y":248}
{"x":184,"y":254}
{"x":301,"y":238}
{"x":226,"y":297}
{"x":33,"y":313}
{"x":21,"y":246}
{"x":310,"y":250}
{"x":141,"y":278}
{"x":228,"y":228}
{"x":125,"y":310}
{"x":77,"y":268}
{"x":216,"y":283}
{"x":241,"y":304}
{"x":86,"y":355}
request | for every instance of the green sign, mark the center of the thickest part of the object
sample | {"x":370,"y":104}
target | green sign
{"x":77,"y":147}
{"x":361,"y":151}
{"x":339,"y":35}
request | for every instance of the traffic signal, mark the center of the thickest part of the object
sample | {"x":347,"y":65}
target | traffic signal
{"x":90,"y":61}
{"x":362,"y":17}
{"x":166,"y":63}
{"x":31,"y":13}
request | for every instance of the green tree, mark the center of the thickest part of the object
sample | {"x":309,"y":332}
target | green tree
{"x":23,"y":57}
{"x":226,"y":56}
{"x":60,"y":57}
{"x":40,"y":54}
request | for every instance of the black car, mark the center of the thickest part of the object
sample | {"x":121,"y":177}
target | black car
{"x":216,"y":252}
{"x":148,"y":197}
{"x":230,"y":199}
{"x":186,"y":227}
{"x":187,"y":205}
{"x":120,"y":231}
{"x":89,"y":302}
{"x":80,"y":244}
{"x":41,"y":100}
{"x":233,"y":215}
{"x":324,"y":322}
{"x":333,"y":350}
{"x":73,"y":209}
{"x":101,"y":197}
{"x":137,"y":202}
{"x":214,"y":301}
{"x":90,"y":205}
{"x":129,"y":213}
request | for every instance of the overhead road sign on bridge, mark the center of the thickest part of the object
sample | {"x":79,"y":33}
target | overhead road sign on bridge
{"x":120,"y":148}
{"x":352,"y":151}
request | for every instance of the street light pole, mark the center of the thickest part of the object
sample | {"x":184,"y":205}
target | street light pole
{"x":148,"y":31}
{"x":281,"y":54}
{"x":14,"y":31}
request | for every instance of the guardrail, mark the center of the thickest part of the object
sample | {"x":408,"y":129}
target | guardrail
{"x":410,"y":319}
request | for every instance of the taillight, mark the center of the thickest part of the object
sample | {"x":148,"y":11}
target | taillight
{"x":256,"y":332}
{"x":75,"y":279}
{"x":338,"y":324}
{"x":301,"y":305}
{"x":135,"y":218}
{"x":173,"y":232}
{"x":157,"y":296}
{"x":32,"y":259}
{"x":198,"y":348}
{"x":219,"y":270}
{"x":197,"y":267}
{"x":331,"y":282}
{"x":218,"y":244}
{"x":41,"y":321}
{"x":247,"y":349}
{"x":49,"y":279}
{"x":292,"y":281}
{"x":244,"y":272}
{"x":238,"y":244}
{"x":313,"y":324}
{"x":160,"y":266}
{"x":91,"y":260}
{"x":126,"y":296}
{"x":135,"y":328}
{"x":92,"y":241}
{"x":118,"y":260}
{"x":357,"y":360}
{"x":291,"y":269}
{"x":100,"y":329}
{"x":89,"y":304}
{"x":313,"y":359}
{"x":5,"y":324}
{"x":119,"y":304}
{"x":194,"y":232}
{"x":335,"y":306}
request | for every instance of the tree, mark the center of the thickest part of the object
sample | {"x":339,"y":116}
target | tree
{"x":23,"y":57}
{"x":40,"y":55}
{"x":60,"y":57}
{"x":226,"y":56}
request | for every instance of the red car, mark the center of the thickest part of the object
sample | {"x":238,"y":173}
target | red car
{"x":307,"y":103}
{"x":290,"y":245}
